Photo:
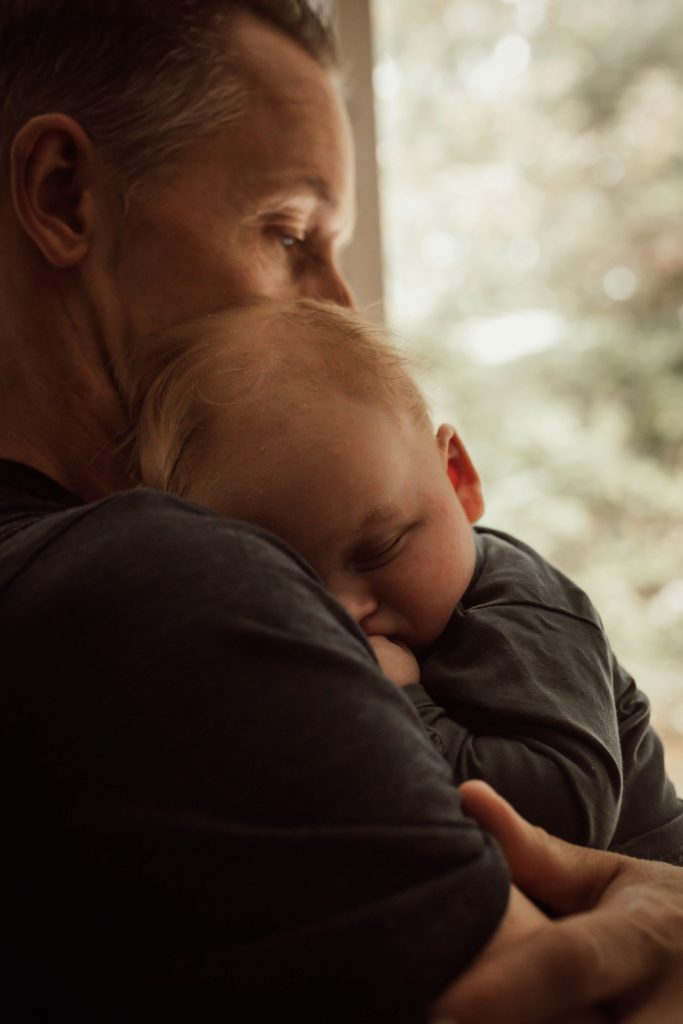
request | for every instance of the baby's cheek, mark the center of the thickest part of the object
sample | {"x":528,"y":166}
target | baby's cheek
{"x":437,"y":592}
{"x":455,"y":572}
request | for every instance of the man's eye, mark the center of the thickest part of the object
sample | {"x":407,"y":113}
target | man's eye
{"x":288,"y":239}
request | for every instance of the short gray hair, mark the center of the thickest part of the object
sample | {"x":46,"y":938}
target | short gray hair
{"x":141,"y":77}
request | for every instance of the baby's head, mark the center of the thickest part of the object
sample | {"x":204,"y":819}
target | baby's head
{"x":304,"y":419}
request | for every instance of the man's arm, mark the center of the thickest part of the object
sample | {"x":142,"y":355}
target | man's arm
{"x":218,"y":803}
{"x":621,"y":945}
{"x":521,"y":921}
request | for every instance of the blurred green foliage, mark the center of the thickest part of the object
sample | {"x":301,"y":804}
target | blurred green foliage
{"x":531,"y":160}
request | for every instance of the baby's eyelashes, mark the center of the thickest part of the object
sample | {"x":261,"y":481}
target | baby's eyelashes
{"x":374,"y":557}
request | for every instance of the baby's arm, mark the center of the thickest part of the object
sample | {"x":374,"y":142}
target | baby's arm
{"x":524,"y":700}
{"x":651,"y":819}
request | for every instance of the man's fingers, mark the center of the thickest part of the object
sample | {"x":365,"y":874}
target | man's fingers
{"x":559,"y":875}
{"x":561,"y":971}
{"x":626,"y":953}
{"x":528,"y":984}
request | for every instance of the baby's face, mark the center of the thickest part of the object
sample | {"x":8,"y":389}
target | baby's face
{"x":364,"y":495}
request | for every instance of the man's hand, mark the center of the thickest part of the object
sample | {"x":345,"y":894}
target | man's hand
{"x":396,"y":660}
{"x":621,"y":947}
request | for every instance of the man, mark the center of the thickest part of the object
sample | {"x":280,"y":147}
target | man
{"x":184,"y":178}
{"x":180,"y":839}
{"x":179,"y":842}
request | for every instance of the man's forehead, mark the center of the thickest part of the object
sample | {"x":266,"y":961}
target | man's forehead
{"x":270,"y":57}
{"x":293,"y":138}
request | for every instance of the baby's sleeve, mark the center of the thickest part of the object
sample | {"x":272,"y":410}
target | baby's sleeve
{"x":522,"y":697}
{"x":651,"y":820}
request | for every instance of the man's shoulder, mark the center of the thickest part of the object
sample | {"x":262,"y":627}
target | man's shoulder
{"x":142,"y":540}
{"x":150,"y":583}
{"x":156,"y":524}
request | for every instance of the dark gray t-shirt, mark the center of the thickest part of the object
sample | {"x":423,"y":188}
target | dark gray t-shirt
{"x":523,"y":690}
{"x":214,"y":803}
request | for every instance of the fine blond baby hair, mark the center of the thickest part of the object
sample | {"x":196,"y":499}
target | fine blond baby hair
{"x":259,"y":367}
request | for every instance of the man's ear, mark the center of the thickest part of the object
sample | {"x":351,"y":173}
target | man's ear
{"x":461,"y":472}
{"x":52,"y":162}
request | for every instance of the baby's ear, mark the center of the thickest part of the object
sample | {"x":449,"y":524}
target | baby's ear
{"x":461,"y":472}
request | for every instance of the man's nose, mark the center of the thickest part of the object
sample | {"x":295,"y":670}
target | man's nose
{"x":330,"y":285}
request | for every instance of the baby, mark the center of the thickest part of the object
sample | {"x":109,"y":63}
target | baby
{"x":305,"y":420}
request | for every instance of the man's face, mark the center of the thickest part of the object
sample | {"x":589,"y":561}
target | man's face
{"x":260,"y":208}
{"x":365,"y":496}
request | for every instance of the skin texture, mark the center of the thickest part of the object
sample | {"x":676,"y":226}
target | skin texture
{"x":261,"y":208}
{"x":620,"y":945}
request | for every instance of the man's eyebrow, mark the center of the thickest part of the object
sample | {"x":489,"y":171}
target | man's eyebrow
{"x":307,"y":188}
{"x":319,"y":187}
{"x":305,"y":185}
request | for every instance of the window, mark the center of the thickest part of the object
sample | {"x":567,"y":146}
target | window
{"x":531,"y":176}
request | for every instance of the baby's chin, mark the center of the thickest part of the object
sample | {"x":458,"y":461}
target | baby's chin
{"x":417,"y":641}
{"x":419,"y":637}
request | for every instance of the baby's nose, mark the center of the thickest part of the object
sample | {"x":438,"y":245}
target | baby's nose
{"x":359,"y":605}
